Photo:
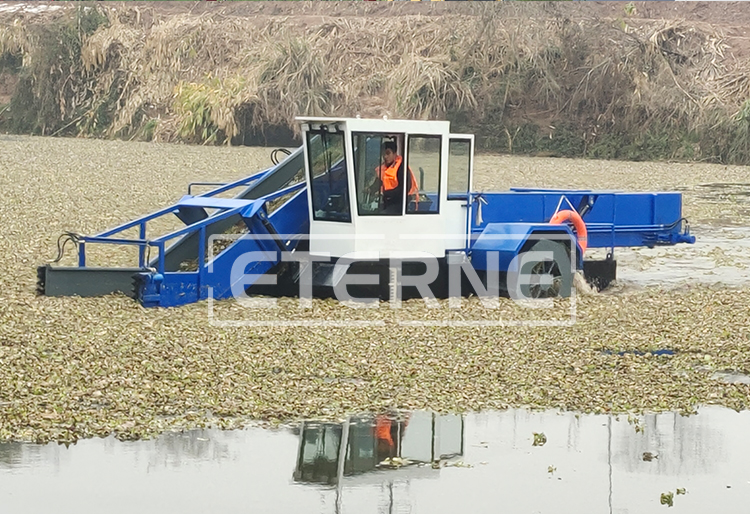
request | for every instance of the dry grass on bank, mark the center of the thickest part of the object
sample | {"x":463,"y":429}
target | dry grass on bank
{"x":209,"y":77}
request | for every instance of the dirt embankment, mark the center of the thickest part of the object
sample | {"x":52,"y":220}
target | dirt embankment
{"x":639,"y":80}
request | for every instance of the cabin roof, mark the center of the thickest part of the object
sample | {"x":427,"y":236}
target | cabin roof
{"x":382,"y":124}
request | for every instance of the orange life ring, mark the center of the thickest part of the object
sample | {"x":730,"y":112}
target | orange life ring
{"x":577,"y":221}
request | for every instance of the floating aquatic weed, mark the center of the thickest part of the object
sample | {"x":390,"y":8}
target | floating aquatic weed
{"x":394,"y":463}
{"x":73,"y":368}
{"x":667,"y":498}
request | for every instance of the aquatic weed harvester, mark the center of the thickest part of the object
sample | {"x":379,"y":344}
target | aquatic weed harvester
{"x":329,"y":213}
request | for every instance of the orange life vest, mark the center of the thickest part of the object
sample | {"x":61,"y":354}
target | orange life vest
{"x":383,"y":430}
{"x":388,"y":176}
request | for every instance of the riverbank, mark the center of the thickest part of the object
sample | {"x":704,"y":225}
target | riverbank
{"x":628,"y":81}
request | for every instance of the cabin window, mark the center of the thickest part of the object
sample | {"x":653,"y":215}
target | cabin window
{"x":329,"y":187}
{"x":379,"y":173}
{"x":424,"y":171}
{"x":459,"y":164}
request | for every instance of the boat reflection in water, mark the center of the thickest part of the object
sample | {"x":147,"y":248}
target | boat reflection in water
{"x":590,"y":464}
{"x":419,"y":441}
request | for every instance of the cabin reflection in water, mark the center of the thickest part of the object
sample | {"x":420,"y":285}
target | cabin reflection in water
{"x":330,"y":451}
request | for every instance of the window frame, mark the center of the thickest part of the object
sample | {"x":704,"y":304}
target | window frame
{"x":319,"y":132}
{"x":399,"y":137}
{"x":463,"y":196}
{"x":439,"y":137}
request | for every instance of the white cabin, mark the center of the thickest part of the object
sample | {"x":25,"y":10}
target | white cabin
{"x":348,"y":210}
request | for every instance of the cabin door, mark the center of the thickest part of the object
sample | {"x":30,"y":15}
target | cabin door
{"x":459,"y":178}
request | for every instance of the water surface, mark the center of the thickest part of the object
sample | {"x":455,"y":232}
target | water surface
{"x":481,"y":462}
{"x":720,"y":256}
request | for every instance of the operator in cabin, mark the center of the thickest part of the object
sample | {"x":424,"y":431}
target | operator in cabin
{"x":390,"y":178}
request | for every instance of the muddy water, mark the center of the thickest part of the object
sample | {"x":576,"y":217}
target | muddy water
{"x":482,"y":462}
